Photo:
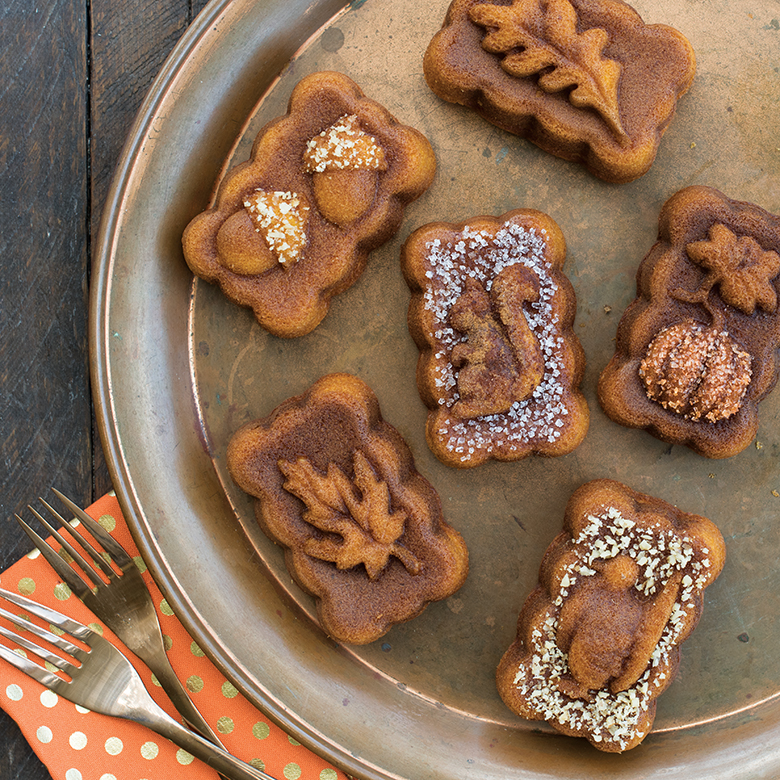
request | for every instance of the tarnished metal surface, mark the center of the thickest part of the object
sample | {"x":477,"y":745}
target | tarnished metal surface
{"x":177,"y":369}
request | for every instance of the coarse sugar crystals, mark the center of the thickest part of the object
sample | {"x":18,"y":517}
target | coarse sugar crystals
{"x":475,"y":254}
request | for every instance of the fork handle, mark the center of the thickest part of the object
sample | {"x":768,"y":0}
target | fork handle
{"x":158,"y":662}
{"x":216,"y":757}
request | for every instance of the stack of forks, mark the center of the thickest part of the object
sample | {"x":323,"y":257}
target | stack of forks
{"x":99,"y":676}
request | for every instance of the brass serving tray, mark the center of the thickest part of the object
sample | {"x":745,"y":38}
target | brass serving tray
{"x":177,"y":369}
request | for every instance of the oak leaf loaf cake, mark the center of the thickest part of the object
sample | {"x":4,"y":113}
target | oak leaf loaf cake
{"x":325,"y":185}
{"x":492,"y":314}
{"x":362,"y":529}
{"x":697,"y":350}
{"x":585,"y":80}
{"x":598,"y":640}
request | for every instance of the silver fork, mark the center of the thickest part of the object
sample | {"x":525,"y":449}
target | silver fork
{"x":124,"y":603}
{"x":103,"y":680}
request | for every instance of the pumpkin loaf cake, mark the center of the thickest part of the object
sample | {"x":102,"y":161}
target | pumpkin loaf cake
{"x":598,"y":640}
{"x":362,"y":529}
{"x":697,"y":349}
{"x":326,"y":184}
{"x":585,"y":80}
{"x":492,"y":314}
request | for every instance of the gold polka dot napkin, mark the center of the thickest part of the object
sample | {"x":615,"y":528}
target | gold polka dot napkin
{"x":76,"y":744}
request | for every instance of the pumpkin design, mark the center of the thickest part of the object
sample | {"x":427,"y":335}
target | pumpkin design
{"x":696,"y":371}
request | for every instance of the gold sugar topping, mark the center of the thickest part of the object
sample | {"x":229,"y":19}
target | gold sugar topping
{"x":696,"y":371}
{"x":344,"y":146}
{"x":280,"y":217}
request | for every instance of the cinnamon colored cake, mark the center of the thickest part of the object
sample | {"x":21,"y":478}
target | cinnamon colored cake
{"x":326,"y":184}
{"x":585,"y":80}
{"x":492,"y":314}
{"x":362,"y":529}
{"x":598,"y":640}
{"x":697,"y":349}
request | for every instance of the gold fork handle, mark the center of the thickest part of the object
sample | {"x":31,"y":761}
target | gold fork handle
{"x":216,"y":757}
{"x":158,"y":662}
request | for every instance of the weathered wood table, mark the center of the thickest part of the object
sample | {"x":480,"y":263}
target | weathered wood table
{"x":73,"y":74}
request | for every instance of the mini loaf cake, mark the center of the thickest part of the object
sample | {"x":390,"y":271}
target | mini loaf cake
{"x":697,"y":349}
{"x":326,"y":184}
{"x":336,"y":486}
{"x":599,"y":638}
{"x":492,"y":314}
{"x":585,"y":80}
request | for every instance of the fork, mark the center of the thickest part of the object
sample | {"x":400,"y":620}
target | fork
{"x":103,"y":680}
{"x":124,"y":603}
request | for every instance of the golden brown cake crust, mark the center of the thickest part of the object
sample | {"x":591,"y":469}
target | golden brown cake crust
{"x":290,"y":288}
{"x":585,"y":80}
{"x":362,"y":529}
{"x":619,"y":589}
{"x":697,"y":349}
{"x":492,"y":314}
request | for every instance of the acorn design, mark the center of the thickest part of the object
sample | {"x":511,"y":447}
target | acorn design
{"x":345,"y":163}
{"x":696,"y":371}
{"x":269,"y":230}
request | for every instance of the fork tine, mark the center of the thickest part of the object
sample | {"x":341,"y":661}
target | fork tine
{"x":103,"y":565}
{"x":65,"y":572}
{"x":109,"y":544}
{"x":41,"y":633}
{"x":50,"y":616}
{"x":41,"y":652}
{"x":44,"y":676}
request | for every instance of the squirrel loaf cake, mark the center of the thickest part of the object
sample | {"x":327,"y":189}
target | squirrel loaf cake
{"x":492,"y":314}
{"x":697,"y":349}
{"x":599,"y":638}
{"x":326,"y":184}
{"x":362,"y":529}
{"x":585,"y":80}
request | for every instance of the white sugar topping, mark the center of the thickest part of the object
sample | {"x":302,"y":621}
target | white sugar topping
{"x":660,"y":553}
{"x":482,"y":256}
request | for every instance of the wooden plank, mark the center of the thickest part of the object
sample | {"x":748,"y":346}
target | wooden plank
{"x":45,"y":409}
{"x":61,"y":131}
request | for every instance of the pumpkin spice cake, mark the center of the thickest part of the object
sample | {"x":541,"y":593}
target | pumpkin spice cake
{"x":362,"y":529}
{"x":598,"y":640}
{"x":492,"y":314}
{"x":325,"y":185}
{"x":585,"y":80}
{"x":697,"y":349}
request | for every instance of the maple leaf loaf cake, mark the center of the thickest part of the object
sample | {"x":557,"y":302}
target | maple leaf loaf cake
{"x":585,"y":80}
{"x":697,"y":350}
{"x":362,"y":529}
{"x":325,"y":184}
{"x":492,"y":312}
{"x":598,"y":640}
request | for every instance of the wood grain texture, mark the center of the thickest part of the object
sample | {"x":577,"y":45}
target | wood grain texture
{"x":72,"y":76}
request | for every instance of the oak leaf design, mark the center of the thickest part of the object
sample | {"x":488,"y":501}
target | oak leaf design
{"x":740,"y":267}
{"x":354,"y":514}
{"x":541,"y":37}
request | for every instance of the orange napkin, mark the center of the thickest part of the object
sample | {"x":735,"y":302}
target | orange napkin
{"x":76,"y":744}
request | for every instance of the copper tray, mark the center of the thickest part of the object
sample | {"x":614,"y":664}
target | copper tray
{"x":177,"y":369}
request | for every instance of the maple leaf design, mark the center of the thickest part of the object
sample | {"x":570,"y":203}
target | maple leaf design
{"x":546,"y":33}
{"x":355,"y":515}
{"x":740,"y":267}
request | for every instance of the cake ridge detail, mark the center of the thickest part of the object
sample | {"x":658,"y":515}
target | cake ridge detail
{"x":336,"y":487}
{"x":619,"y":590}
{"x":492,"y":314}
{"x":325,"y":184}
{"x":695,"y":350}
{"x":554,"y":50}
